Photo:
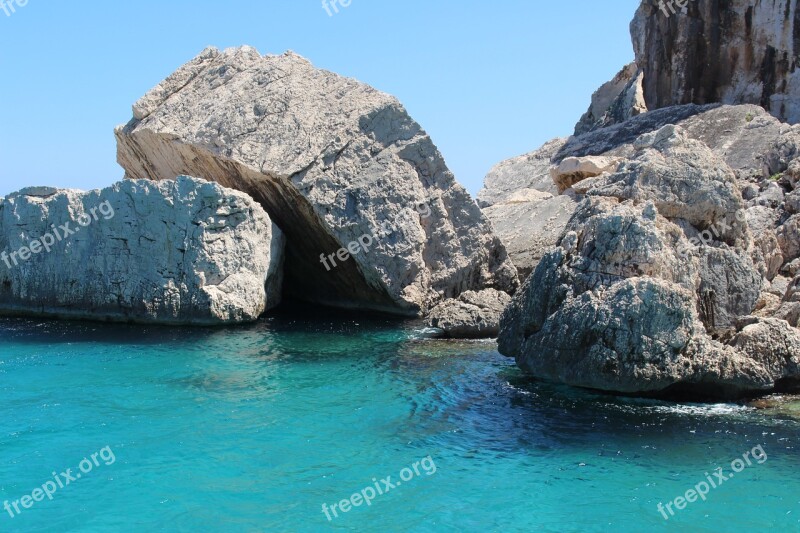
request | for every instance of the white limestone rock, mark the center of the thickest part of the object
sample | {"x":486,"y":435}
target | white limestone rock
{"x":182,"y":252}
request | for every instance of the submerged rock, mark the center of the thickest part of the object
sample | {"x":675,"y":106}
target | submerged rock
{"x":373,"y":217}
{"x":175,"y":252}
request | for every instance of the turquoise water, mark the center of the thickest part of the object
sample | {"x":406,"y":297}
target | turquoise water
{"x":255,"y":428}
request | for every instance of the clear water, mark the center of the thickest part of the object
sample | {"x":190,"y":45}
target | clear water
{"x":254,"y":428}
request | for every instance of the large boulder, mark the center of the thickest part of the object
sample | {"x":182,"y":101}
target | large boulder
{"x":529,"y":171}
{"x":174,"y":252}
{"x":373,"y":217}
{"x":619,"y":307}
{"x":530,"y":225}
{"x":733,"y":52}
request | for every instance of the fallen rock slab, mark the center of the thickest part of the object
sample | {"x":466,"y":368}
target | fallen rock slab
{"x":373,"y":217}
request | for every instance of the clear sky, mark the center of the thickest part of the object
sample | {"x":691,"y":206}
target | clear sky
{"x":487,"y":80}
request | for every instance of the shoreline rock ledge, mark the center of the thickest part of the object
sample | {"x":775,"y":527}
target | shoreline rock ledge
{"x":180,"y":252}
{"x":339,"y":166}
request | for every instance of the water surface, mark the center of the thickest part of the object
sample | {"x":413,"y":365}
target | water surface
{"x":255,"y":428}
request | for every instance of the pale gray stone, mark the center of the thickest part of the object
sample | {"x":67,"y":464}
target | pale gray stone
{"x":617,"y":307}
{"x":736,"y":52}
{"x":174,"y":252}
{"x":331,"y":160}
{"x":529,"y":171}
{"x":615,"y":101}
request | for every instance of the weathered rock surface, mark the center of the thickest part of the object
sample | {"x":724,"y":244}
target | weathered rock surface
{"x":735,"y":52}
{"x":615,"y":101}
{"x":618,"y":308}
{"x":471,"y":315}
{"x":529,"y":171}
{"x":175,"y":252}
{"x":530,"y":228}
{"x":333,"y":161}
{"x":678,"y":272}
{"x":752,"y":143}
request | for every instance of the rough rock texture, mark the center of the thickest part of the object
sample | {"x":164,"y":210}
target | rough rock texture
{"x":615,"y":101}
{"x":530,"y":228}
{"x":175,"y":252}
{"x":733,"y":52}
{"x":616,"y":308}
{"x":654,"y":284}
{"x":331,"y":160}
{"x":755,"y":145}
{"x":471,"y":315}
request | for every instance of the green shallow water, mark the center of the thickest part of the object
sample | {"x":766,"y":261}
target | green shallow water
{"x":254,"y":428}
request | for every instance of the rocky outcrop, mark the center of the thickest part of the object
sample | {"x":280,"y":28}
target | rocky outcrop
{"x":654,"y":285}
{"x":615,"y":101}
{"x":373,"y":217}
{"x":471,"y":315}
{"x":755,"y":145}
{"x":736,"y":52}
{"x":175,"y":252}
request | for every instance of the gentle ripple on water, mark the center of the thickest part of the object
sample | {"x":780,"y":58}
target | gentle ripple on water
{"x":253,"y":428}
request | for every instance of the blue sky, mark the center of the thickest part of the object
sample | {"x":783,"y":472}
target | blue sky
{"x":487,"y":80}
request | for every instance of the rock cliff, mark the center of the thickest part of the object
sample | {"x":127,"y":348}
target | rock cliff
{"x":182,"y":252}
{"x":732,"y":52}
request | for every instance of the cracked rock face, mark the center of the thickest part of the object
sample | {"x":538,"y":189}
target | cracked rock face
{"x":334,"y":162}
{"x":182,"y":252}
{"x":733,"y":52}
{"x":615,"y":101}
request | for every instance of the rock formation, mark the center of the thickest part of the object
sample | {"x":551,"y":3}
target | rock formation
{"x":524,"y":206}
{"x":678,"y":271}
{"x":471,"y":315}
{"x":615,"y":101}
{"x":735,"y":52}
{"x":175,"y":252}
{"x":755,"y":145}
{"x":373,"y":217}
{"x":655,"y":284}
